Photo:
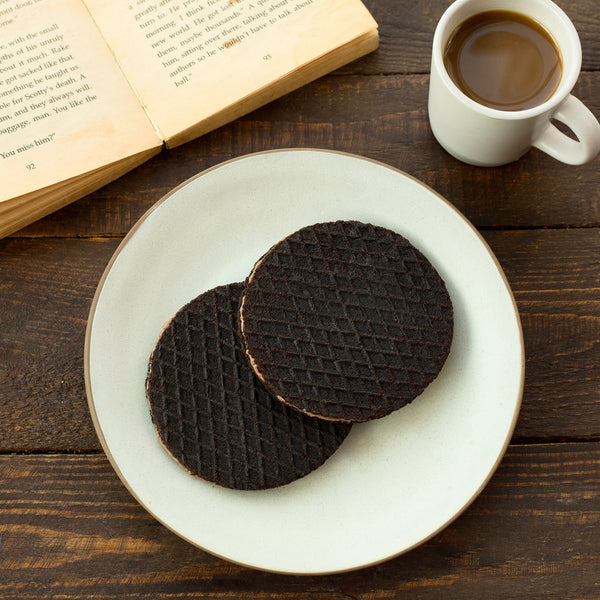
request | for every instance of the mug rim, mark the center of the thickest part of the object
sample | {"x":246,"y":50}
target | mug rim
{"x":567,"y":81}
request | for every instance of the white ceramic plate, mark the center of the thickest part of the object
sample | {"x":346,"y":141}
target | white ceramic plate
{"x":394,"y":482}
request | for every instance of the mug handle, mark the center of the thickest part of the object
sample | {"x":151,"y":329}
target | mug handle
{"x":573,"y":113}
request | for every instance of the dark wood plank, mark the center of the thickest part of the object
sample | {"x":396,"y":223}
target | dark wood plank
{"x":383,"y":118}
{"x":45,"y":294}
{"x":554,"y":276}
{"x":46,"y":288}
{"x":406,"y":33}
{"x":69,"y":529}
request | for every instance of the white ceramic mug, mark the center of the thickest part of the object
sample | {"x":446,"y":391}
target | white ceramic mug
{"x":484,"y":136}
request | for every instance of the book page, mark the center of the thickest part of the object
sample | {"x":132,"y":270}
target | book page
{"x":190,"y":59}
{"x":65,"y":106}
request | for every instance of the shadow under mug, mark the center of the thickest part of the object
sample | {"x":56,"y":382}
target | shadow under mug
{"x":484,"y":136}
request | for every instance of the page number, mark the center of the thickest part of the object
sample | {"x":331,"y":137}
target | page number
{"x":267,"y":57}
{"x":30,"y":166}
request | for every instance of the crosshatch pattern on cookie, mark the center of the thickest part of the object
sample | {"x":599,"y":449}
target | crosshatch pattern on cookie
{"x":346,"y":321}
{"x":214,"y":416}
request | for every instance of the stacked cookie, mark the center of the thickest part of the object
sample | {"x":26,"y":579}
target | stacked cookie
{"x":253,"y":385}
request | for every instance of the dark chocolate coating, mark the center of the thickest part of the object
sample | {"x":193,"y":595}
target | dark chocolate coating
{"x":346,"y":321}
{"x":213,"y":415}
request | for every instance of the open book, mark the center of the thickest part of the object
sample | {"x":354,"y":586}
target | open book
{"x":89,"y":89}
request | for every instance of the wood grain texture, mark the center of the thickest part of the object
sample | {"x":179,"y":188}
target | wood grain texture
{"x":382,"y":118}
{"x":46,"y":288}
{"x":69,"y":529}
{"x":47,"y":285}
{"x":558,"y":298}
{"x":406,"y":31}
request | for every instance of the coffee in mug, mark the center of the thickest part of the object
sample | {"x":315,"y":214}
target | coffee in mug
{"x":504,"y":60}
{"x":502,"y":72}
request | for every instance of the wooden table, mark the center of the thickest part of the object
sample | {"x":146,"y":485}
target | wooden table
{"x":69,"y":528}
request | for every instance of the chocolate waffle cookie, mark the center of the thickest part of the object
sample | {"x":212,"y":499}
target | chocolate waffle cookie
{"x":346,"y":321}
{"x":213,"y":415}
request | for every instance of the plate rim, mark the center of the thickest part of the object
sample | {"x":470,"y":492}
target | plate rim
{"x":140,"y":222}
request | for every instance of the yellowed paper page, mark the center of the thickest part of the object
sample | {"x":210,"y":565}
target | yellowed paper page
{"x":65,"y":106}
{"x":191,"y":59}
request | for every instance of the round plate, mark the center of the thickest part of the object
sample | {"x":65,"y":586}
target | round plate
{"x":395,"y":481}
